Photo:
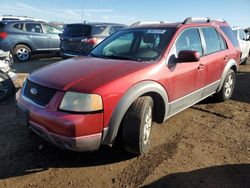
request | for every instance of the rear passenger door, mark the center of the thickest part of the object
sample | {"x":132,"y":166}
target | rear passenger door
{"x":215,"y":51}
{"x":36,"y":36}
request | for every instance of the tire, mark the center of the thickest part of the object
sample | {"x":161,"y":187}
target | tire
{"x":227,"y":88}
{"x":6,"y":86}
{"x":244,"y":62}
{"x":21,"y":53}
{"x":136,"y":126}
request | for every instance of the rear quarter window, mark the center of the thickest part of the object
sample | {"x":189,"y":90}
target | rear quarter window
{"x":18,"y":26}
{"x":230,"y":34}
{"x":98,"y":30}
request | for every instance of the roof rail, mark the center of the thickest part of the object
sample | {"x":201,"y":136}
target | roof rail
{"x":147,"y":22}
{"x":193,"y":20}
{"x":219,"y":20}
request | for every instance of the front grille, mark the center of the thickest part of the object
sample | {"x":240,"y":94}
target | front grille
{"x":41,"y":95}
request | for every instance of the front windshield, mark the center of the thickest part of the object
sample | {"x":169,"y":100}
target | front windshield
{"x":135,"y":44}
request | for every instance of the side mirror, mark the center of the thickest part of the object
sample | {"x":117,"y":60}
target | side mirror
{"x":188,"y":56}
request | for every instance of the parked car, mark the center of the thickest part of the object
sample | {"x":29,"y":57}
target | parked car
{"x":24,"y":38}
{"x":244,"y":43}
{"x":11,"y":17}
{"x":137,"y":76}
{"x":80,"y":38}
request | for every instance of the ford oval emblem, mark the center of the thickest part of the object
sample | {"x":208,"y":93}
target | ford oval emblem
{"x":33,"y":91}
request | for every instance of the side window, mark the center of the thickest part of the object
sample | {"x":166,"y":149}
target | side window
{"x":212,"y":40}
{"x":51,"y":29}
{"x":242,"y":35}
{"x":18,"y":26}
{"x":189,"y":40}
{"x":33,"y":27}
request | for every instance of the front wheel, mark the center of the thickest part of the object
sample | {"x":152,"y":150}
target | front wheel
{"x":227,"y":88}
{"x":136,"y":126}
{"x":6,"y":86}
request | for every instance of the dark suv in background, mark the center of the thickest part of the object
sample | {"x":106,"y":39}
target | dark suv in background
{"x":23,"y":38}
{"x":80,"y":38}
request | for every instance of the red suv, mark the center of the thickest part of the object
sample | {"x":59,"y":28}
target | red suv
{"x":140,"y":75}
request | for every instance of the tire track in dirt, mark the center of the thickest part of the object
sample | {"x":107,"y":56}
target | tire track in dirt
{"x":135,"y":174}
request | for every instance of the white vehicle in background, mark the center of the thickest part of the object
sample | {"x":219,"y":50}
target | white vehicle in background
{"x":22,"y":18}
{"x":244,"y":43}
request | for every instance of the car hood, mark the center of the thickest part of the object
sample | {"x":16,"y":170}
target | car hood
{"x":87,"y":72}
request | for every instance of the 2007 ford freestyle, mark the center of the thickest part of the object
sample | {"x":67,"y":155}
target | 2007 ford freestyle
{"x":140,"y":75}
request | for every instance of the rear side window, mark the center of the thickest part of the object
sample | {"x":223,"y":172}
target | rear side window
{"x":242,"y":35}
{"x":33,"y":27}
{"x":230,"y":34}
{"x":77,"y":30}
{"x":189,"y":40}
{"x":223,"y":44}
{"x":18,"y":26}
{"x":51,"y":29}
{"x":98,"y":30}
{"x":212,"y":40}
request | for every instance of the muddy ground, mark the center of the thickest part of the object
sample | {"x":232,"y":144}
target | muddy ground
{"x":207,"y":145}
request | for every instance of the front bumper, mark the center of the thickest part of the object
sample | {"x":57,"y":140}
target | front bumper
{"x":77,"y":132}
{"x":83,"y":143}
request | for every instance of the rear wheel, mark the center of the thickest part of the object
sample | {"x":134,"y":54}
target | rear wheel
{"x":21,"y":53}
{"x":136,"y":126}
{"x":227,"y":88}
{"x":6,"y":86}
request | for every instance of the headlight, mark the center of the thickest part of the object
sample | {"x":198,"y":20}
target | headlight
{"x":79,"y":102}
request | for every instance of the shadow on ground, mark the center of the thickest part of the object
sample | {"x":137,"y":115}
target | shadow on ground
{"x":22,"y":152}
{"x":234,"y":176}
{"x":36,"y":62}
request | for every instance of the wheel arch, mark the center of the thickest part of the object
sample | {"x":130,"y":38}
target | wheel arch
{"x":22,"y":43}
{"x":145,"y":88}
{"x":231,"y":64}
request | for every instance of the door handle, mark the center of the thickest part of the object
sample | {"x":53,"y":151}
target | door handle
{"x":201,"y":67}
{"x":30,"y":36}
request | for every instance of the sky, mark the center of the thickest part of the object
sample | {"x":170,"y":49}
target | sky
{"x":236,"y":12}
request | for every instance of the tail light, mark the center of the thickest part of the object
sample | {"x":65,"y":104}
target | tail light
{"x":3,"y":35}
{"x":89,"y":40}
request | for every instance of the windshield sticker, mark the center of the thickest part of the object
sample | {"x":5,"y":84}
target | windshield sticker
{"x":156,"y":31}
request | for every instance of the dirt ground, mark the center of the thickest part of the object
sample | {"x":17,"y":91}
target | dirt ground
{"x":207,"y":145}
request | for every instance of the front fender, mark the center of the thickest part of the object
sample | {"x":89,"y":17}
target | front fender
{"x":128,"y":98}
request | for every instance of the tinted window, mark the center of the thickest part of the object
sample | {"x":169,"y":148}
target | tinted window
{"x":76,"y":30}
{"x":18,"y":26}
{"x":33,"y":27}
{"x":212,"y":40}
{"x":51,"y":29}
{"x":98,"y":30}
{"x":230,"y":34}
{"x":189,"y":40}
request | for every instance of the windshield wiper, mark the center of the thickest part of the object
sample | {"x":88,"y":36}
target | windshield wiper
{"x":121,"y":57}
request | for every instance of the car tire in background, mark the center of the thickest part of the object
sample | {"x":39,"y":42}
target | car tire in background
{"x":227,"y":88}
{"x":6,"y":86}
{"x":21,"y":53}
{"x":136,"y":126}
